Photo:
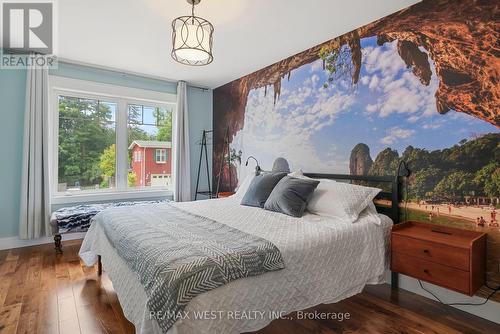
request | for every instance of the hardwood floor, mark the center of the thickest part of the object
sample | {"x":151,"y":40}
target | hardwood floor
{"x":41,"y":292}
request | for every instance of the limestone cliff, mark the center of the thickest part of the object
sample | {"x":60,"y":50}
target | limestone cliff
{"x":360,"y":161}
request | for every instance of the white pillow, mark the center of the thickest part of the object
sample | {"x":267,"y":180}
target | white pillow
{"x":243,"y":187}
{"x":370,"y":214}
{"x":299,"y":174}
{"x":341,"y":200}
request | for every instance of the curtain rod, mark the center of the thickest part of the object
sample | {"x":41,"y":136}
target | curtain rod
{"x":124,"y":72}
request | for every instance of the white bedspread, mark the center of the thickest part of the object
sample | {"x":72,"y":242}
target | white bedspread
{"x":326,"y":261}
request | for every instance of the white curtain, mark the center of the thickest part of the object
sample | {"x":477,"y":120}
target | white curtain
{"x":35,"y":206}
{"x":182,"y":165}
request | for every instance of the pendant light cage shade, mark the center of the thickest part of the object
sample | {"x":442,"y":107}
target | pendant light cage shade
{"x":192,"y":39}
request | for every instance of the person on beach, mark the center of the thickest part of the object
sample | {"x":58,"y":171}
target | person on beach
{"x":430,"y":216}
{"x":483,"y":221}
{"x":449,"y":209}
{"x":493,"y":215}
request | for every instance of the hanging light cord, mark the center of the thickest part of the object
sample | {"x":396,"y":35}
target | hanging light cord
{"x":192,"y":11}
{"x":495,"y":290}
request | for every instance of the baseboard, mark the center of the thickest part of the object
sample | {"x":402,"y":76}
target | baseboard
{"x":15,"y":242}
{"x":488,"y":311}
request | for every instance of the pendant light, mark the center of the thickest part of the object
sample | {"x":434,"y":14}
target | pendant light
{"x":192,"y":39}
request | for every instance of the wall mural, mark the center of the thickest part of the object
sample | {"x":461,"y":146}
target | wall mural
{"x":421,"y":84}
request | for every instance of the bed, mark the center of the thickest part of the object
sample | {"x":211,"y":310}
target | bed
{"x":326,"y":261}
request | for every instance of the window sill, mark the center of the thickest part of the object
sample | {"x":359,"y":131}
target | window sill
{"x":111,"y":196}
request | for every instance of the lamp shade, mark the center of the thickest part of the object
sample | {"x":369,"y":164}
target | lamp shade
{"x":192,"y":40}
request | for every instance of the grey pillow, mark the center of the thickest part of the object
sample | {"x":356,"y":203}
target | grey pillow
{"x":261,"y":187}
{"x":290,"y":196}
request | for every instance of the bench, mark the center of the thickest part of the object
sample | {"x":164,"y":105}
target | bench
{"x":77,"y":218}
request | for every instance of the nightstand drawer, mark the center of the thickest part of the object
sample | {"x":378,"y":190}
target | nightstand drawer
{"x":432,"y":251}
{"x":431,"y":272}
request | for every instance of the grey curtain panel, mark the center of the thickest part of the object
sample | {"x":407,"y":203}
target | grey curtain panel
{"x":182,"y":165}
{"x":35,"y":206}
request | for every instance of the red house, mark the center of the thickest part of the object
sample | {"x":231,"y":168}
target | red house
{"x":152,"y":163}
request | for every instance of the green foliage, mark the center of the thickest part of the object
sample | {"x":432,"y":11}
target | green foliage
{"x":488,"y":179}
{"x":337,"y":63}
{"x":471,"y":167}
{"x":423,"y":182}
{"x":107,"y":162}
{"x":454,"y":186}
{"x":165,"y":123}
{"x":131,"y":179}
{"x":385,"y":163}
{"x":84,"y":132}
{"x":235,"y":157}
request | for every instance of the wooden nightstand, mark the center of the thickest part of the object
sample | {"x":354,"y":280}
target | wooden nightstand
{"x":224,"y":194}
{"x":449,"y":257}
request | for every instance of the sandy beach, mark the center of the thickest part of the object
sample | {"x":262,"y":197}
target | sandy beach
{"x":465,"y":212}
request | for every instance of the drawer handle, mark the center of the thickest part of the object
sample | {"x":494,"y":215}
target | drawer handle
{"x":426,"y":271}
{"x":426,"y":251}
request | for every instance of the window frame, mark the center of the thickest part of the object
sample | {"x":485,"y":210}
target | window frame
{"x":122,"y":96}
{"x":137,"y":156}
{"x":163,"y":154}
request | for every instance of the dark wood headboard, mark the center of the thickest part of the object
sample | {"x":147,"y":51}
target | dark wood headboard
{"x":391,"y":197}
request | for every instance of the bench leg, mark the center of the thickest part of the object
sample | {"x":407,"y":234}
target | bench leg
{"x":57,"y":243}
{"x":99,"y":265}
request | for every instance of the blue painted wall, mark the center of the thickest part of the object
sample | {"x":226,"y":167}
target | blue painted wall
{"x":113,"y":78}
{"x":200,"y":118}
{"x":12,"y":91}
{"x":12,"y":88}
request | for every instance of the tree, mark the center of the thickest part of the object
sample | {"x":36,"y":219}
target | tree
{"x":487,"y":179}
{"x":423,"y":182}
{"x":454,"y":186}
{"x":85,"y":130}
{"x":107,"y":163}
{"x":165,"y":122}
{"x":131,"y":179}
{"x":337,"y":61}
{"x":385,"y":163}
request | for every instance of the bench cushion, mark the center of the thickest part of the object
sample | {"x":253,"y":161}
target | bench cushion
{"x":77,"y":218}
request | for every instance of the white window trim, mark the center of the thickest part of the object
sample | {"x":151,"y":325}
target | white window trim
{"x":109,"y":93}
{"x":164,"y":156}
{"x":137,"y":156}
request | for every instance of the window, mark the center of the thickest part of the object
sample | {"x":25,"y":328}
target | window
{"x":137,"y":156}
{"x":161,"y":155}
{"x":102,"y":137}
{"x":87,"y":141}
{"x":150,"y":129}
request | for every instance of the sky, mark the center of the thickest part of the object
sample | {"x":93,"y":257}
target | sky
{"x":315,"y":128}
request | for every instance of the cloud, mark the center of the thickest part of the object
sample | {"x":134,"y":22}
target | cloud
{"x":316,"y":66}
{"x":399,"y":91}
{"x":287,"y":127}
{"x":373,"y":82}
{"x":413,"y":119}
{"x":370,"y":108}
{"x":433,"y":125}
{"x":396,"y":133}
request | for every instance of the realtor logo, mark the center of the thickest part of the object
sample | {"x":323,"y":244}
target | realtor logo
{"x":28,"y":27}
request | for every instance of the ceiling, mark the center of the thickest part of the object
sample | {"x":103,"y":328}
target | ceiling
{"x":135,"y":35}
